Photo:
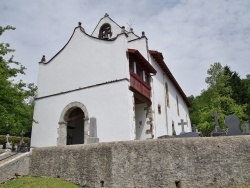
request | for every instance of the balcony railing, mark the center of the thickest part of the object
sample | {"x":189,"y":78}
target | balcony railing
{"x":139,"y":85}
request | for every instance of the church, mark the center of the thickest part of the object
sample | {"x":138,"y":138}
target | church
{"x":106,"y":86}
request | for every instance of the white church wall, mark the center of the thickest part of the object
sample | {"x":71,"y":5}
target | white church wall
{"x":116,"y":29}
{"x":140,"y":45}
{"x":163,"y":121}
{"x":111,"y":104}
{"x":172,"y":110}
{"x":158,"y":96}
{"x":141,"y":121}
{"x":85,"y":61}
{"x":132,"y":36}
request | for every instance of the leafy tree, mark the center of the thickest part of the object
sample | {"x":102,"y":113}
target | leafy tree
{"x":218,"y":96}
{"x":246,"y":87}
{"x":17,"y":98}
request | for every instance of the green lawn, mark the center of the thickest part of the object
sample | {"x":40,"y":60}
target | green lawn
{"x":36,"y":182}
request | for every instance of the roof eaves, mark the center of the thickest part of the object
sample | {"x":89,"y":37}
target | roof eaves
{"x":142,"y":59}
{"x":159,"y":59}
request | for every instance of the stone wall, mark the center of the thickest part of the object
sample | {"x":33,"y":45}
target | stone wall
{"x":18,"y":166}
{"x":182,"y":162}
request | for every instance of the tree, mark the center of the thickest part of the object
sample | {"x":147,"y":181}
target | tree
{"x":17,"y":98}
{"x":218,"y":96}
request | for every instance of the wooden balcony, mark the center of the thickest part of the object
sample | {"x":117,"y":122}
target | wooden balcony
{"x":137,"y":84}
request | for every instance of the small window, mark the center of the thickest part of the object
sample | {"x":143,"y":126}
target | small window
{"x":147,"y":78}
{"x":105,"y":31}
{"x":167,"y":95}
{"x":159,"y":109}
{"x":139,"y":71}
{"x":173,"y":129}
{"x":177,"y":103}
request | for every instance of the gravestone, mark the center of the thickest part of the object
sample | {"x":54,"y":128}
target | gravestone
{"x":8,"y":146}
{"x":194,"y":128}
{"x":216,"y":115}
{"x":232,"y":122}
{"x":246,"y":128}
{"x":217,"y":130}
{"x":182,"y":123}
{"x":21,"y":143}
{"x":4,"y":144}
{"x":184,"y":134}
{"x":188,"y":134}
{"x":92,"y":131}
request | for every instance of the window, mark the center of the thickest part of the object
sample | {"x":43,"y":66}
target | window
{"x":139,"y":71}
{"x":167,"y":95}
{"x":159,"y":109}
{"x":177,"y":103}
{"x":147,"y":79}
{"x":173,"y":129}
{"x":105,"y":31}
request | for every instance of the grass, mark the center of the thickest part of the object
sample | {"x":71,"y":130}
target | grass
{"x":31,"y":182}
{"x":46,"y":182}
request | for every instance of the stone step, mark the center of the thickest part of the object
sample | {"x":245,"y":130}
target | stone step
{"x":9,"y":156}
{"x":5,"y":155}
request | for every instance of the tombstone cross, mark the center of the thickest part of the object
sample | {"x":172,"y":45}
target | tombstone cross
{"x":7,"y":138}
{"x":194,"y":129}
{"x":246,"y":127}
{"x":216,"y":115}
{"x":22,"y":134}
{"x":182,"y":123}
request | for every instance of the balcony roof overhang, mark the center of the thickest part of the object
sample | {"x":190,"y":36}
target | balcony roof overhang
{"x":141,"y":60}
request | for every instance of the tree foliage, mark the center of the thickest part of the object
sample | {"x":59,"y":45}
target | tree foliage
{"x":226,"y":93}
{"x":16,"y":98}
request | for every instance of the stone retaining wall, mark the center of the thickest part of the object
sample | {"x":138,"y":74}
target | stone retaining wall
{"x":182,"y":162}
{"x":18,"y":166}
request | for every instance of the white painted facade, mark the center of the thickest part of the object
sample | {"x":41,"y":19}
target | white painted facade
{"x":93,"y":74}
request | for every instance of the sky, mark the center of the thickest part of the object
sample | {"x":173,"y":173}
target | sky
{"x":191,"y":34}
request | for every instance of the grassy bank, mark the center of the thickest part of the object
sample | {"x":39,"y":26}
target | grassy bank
{"x":31,"y":182}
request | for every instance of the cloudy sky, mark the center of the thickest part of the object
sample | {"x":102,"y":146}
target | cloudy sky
{"x":191,"y":34}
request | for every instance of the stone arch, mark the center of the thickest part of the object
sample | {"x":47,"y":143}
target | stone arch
{"x":62,"y":130}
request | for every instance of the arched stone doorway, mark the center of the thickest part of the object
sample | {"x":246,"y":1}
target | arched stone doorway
{"x":73,"y":125}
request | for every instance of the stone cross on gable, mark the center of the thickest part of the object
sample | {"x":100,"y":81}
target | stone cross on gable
{"x":182,"y":123}
{"x":216,"y":115}
{"x":246,"y":127}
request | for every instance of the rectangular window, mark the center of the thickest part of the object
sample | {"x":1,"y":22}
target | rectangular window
{"x":139,"y":71}
{"x":147,"y":79}
{"x":177,"y":102}
{"x":159,"y":109}
{"x":167,"y":95}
